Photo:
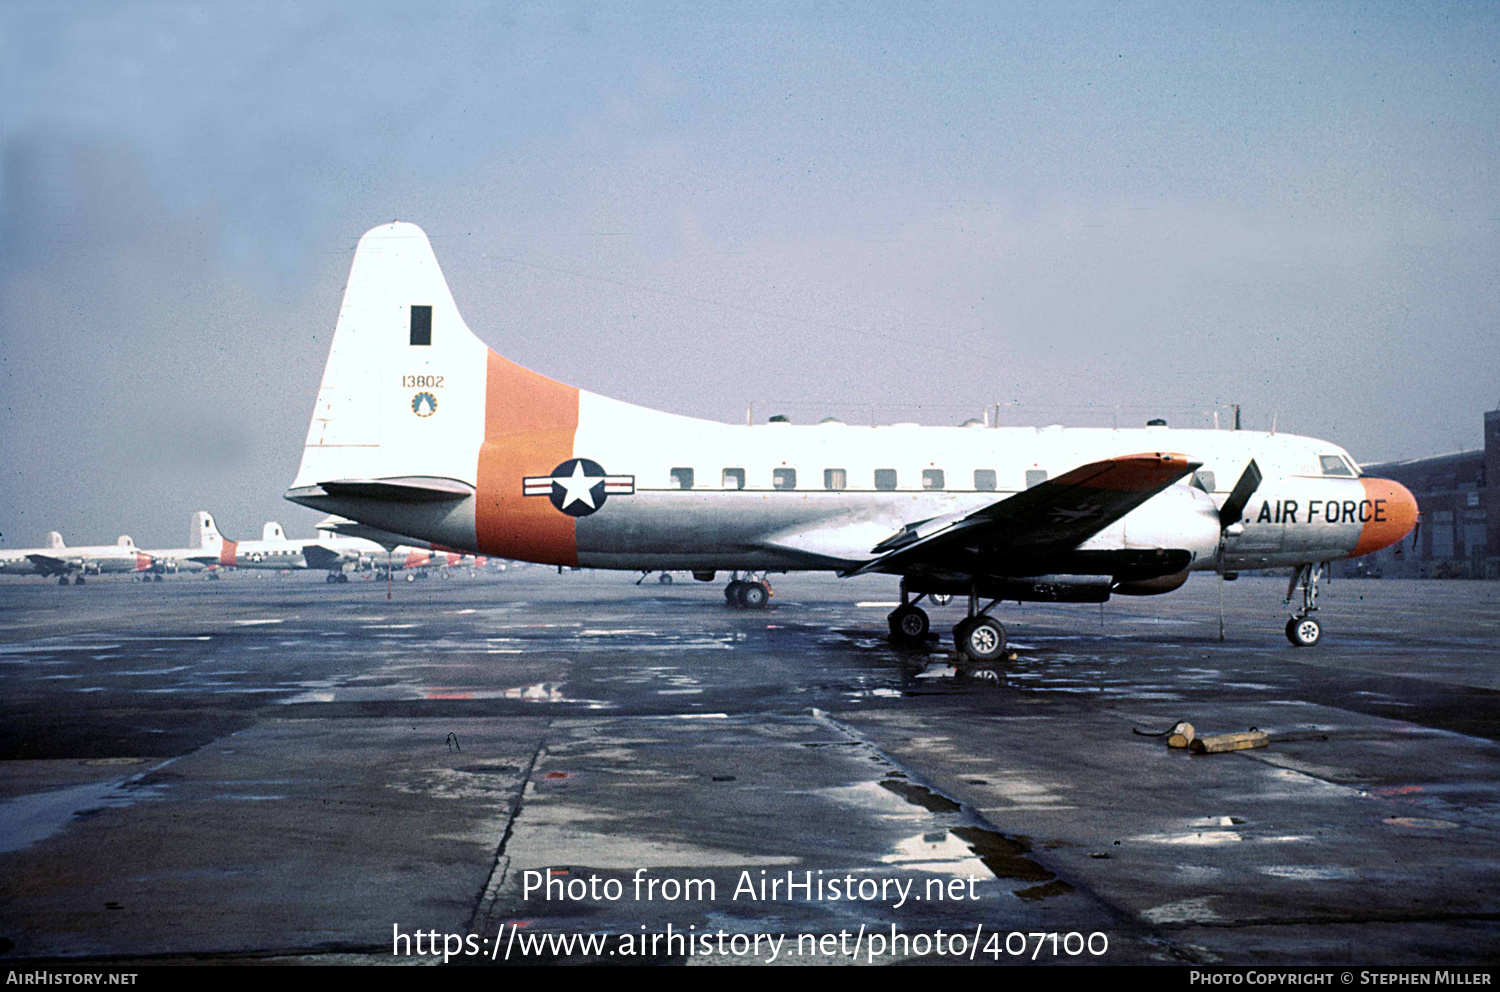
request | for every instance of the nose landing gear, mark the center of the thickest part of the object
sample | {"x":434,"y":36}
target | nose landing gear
{"x":1302,"y":630}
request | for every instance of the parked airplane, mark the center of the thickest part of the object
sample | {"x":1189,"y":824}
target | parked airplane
{"x":420,"y":429}
{"x":203,"y":551}
{"x":370,"y":548}
{"x":57,"y":559}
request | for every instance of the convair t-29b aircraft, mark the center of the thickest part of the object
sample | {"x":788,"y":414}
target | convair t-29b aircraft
{"x":421,"y":429}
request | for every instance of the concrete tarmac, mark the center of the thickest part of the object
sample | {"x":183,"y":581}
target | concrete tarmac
{"x":269,"y":768}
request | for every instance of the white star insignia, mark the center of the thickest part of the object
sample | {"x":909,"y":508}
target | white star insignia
{"x":578,"y":487}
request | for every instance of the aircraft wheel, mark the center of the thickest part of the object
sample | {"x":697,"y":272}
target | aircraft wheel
{"x":343,"y":577}
{"x":981,"y":639}
{"x":410,"y":577}
{"x":156,"y":578}
{"x":732,"y":592}
{"x":664,"y":579}
{"x":753,"y":595}
{"x":78,"y":581}
{"x":331,"y":578}
{"x":63,"y":581}
{"x":1303,"y":632}
{"x":908,"y":624}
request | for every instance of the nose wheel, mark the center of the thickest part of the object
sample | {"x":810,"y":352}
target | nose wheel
{"x":1303,"y":632}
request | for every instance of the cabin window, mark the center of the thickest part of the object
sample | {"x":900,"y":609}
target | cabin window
{"x":932,"y":478}
{"x":984,"y":479}
{"x":421,"y":325}
{"x":1035,"y":477}
{"x":734,"y":478}
{"x":885,"y":478}
{"x":682,"y":478}
{"x":835,"y":478}
{"x":784,"y":478}
{"x":1334,"y":465}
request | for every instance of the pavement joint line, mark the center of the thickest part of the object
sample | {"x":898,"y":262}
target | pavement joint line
{"x":484,"y":908}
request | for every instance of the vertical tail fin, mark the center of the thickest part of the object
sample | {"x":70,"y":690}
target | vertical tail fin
{"x":125,"y":541}
{"x":54,"y":540}
{"x":272,"y":532}
{"x":403,"y":393}
{"x":204,"y":535}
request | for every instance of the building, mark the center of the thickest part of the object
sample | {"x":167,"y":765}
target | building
{"x":1458,"y":532}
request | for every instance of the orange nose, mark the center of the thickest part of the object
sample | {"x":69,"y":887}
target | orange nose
{"x":1392,"y":514}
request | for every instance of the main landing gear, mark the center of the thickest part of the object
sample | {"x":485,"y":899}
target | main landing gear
{"x":979,"y":637}
{"x":750,"y":593}
{"x":336,"y":577}
{"x":1302,"y":630}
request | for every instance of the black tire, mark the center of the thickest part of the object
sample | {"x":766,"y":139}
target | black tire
{"x":331,"y":579}
{"x":664,"y":579}
{"x":754,"y":595}
{"x":732,"y":592}
{"x":63,"y":581}
{"x":981,"y":640}
{"x":343,"y":577}
{"x":156,"y":578}
{"x":78,"y":581}
{"x":909,"y":624}
{"x":1303,"y":632}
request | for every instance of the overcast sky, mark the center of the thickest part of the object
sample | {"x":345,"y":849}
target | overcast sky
{"x":899,"y":211}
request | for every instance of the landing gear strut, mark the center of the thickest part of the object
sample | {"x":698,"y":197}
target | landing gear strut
{"x":1302,"y":630}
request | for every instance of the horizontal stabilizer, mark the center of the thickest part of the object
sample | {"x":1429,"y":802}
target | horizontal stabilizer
{"x":411,"y":489}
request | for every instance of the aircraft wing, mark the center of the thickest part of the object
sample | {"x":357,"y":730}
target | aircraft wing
{"x":319,"y":557}
{"x":1050,"y":518}
{"x":48,"y":565}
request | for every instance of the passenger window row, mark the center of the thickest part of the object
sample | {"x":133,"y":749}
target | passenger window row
{"x":836,"y":479}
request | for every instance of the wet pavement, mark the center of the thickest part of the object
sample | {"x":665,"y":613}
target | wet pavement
{"x":268,"y":767}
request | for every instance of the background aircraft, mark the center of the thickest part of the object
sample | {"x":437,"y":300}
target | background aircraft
{"x":420,"y":429}
{"x":202,"y":551}
{"x":57,"y":559}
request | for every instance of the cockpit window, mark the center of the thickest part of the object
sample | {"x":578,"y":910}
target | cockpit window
{"x":1334,"y":465}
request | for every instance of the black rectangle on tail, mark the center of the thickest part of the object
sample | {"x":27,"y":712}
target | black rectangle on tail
{"x":421,"y":325}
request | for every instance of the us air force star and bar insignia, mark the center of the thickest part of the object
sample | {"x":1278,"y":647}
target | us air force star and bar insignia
{"x":578,"y":486}
{"x":424,"y":404}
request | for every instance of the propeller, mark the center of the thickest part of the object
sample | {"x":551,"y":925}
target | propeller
{"x":1229,"y":515}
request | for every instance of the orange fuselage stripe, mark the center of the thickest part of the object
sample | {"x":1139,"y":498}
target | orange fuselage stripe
{"x":529,"y":425}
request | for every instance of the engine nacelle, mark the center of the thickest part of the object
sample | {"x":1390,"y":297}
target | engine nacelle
{"x":1022,"y":589}
{"x":1152,"y":587}
{"x":1181,"y":517}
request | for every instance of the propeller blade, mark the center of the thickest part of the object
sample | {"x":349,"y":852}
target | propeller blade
{"x":1230,"y":512}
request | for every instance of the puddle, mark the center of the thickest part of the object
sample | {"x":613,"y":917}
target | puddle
{"x":1005,"y":856}
{"x":1303,"y":873}
{"x":920,"y":795}
{"x":26,"y":820}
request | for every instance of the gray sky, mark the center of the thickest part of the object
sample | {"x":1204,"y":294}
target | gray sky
{"x":909,"y":211}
